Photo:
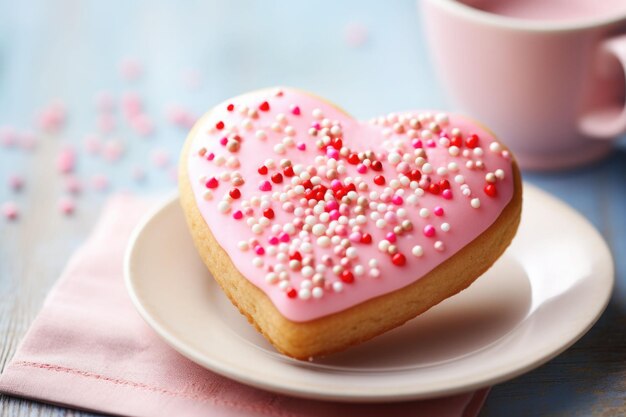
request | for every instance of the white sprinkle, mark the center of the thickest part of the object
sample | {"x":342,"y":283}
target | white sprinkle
{"x":459,"y":179}
{"x":495,"y":147}
{"x":337,"y":286}
{"x":424,"y":212}
{"x":374,"y":273}
{"x":243,"y":246}
{"x":445,"y":227}
{"x":317,"y":292}
{"x":499,"y":174}
{"x":271,"y":278}
{"x":304,"y":293}
{"x":417,"y":251}
{"x":323,"y":241}
{"x":475,"y":203}
{"x":427,"y":168}
{"x":359,"y":270}
{"x":208,"y":195}
{"x":258,"y":262}
{"x":439,"y":246}
{"x":224,"y":206}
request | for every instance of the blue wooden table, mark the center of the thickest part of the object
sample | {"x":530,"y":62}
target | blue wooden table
{"x":367,"y":56}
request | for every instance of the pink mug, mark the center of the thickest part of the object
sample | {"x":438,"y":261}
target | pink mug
{"x":553,"y":90}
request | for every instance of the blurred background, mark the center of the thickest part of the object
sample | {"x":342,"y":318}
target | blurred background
{"x":96,"y":98}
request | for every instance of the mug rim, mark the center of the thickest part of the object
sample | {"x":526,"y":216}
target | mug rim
{"x":493,"y":19}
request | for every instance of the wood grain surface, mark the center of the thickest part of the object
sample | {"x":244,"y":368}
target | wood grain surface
{"x":69,"y":50}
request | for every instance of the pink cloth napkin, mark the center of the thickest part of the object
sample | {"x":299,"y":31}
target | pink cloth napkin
{"x":89,"y":349}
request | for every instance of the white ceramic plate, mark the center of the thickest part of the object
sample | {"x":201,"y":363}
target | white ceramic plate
{"x":546,"y":291}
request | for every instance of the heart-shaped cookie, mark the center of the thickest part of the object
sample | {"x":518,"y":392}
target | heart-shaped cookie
{"x":326,"y":231}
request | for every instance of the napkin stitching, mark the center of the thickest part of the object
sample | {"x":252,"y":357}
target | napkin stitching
{"x":264,"y":409}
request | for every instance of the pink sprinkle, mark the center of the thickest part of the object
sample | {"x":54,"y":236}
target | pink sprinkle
{"x":8,"y":136}
{"x":181,"y":117}
{"x":332,"y":152}
{"x":131,"y":69}
{"x":92,"y":144}
{"x":391,"y":237}
{"x":335,"y":185}
{"x":265,"y":186}
{"x":355,"y":237}
{"x":301,"y":146}
{"x":72,"y":185}
{"x":16,"y":182}
{"x":224,"y":141}
{"x":417,"y":143}
{"x":160,"y":158}
{"x":332,"y":205}
{"x":316,"y":126}
{"x":295,"y":110}
{"x":100,"y":182}
{"x":447,"y":194}
{"x":334,"y":214}
{"x":210,"y":156}
{"x":284,"y":237}
{"x":106,"y":123}
{"x":438,"y":211}
{"x":238,"y":215}
{"x":66,"y":160}
{"x":113,"y":150}
{"x":142,"y":124}
{"x":67,"y":206}
{"x":355,"y":34}
{"x":10,"y":210}
{"x":131,"y":104}
{"x":431,"y":143}
{"x":104,"y":101}
{"x":429,"y":230}
{"x":397,"y":200}
{"x":52,"y":118}
{"x":361,"y":169}
{"x":341,"y":230}
{"x":273,"y":240}
{"x":506,"y":155}
{"x":259,"y":250}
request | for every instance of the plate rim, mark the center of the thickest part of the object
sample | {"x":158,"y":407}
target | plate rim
{"x":225,"y":370}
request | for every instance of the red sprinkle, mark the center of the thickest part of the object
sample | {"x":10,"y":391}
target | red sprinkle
{"x":234,"y":193}
{"x":366,"y":238}
{"x":292,"y":293}
{"x":398,"y":259}
{"x":230,"y":107}
{"x":353,"y":159}
{"x":265,"y":106}
{"x":262,"y":170}
{"x":295,"y":110}
{"x":288,"y":172}
{"x":456,"y":141}
{"x":277,"y":178}
{"x":444,"y":184}
{"x":212,"y":183}
{"x":269,"y":213}
{"x":491,"y":190}
{"x":434,"y":188}
{"x":377,"y":166}
{"x":379,"y":180}
{"x":472,"y":141}
{"x":219,"y":125}
{"x":347,"y":277}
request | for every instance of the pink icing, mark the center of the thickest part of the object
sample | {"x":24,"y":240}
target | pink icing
{"x":356,"y":266}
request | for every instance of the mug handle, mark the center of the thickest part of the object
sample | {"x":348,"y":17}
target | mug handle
{"x":607,"y":121}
